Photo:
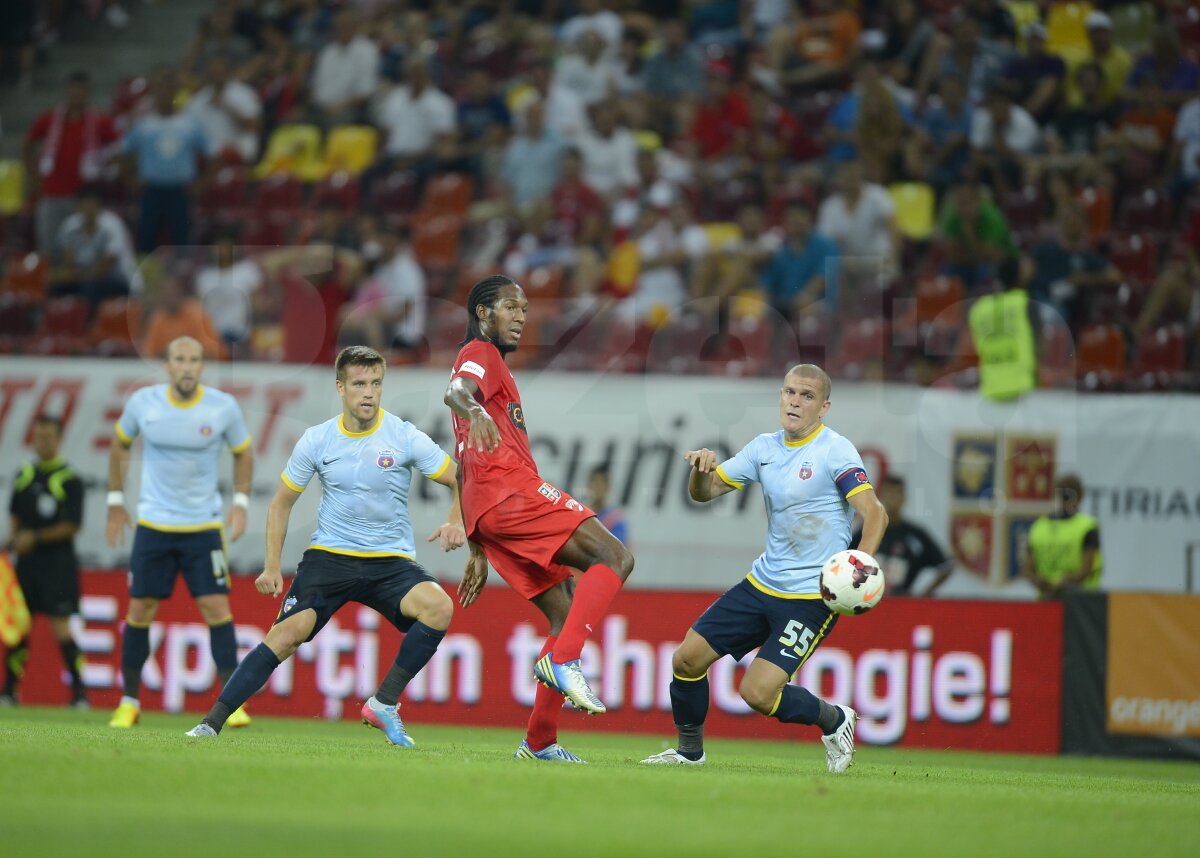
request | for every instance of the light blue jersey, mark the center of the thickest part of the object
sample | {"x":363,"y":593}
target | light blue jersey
{"x":365,"y":477}
{"x":182,"y":453}
{"x":807,"y":485}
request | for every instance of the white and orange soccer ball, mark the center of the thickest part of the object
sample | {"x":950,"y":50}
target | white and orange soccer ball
{"x":851,"y":582}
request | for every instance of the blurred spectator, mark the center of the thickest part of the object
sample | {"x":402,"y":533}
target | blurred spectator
{"x":659,"y":288}
{"x":995,"y":21}
{"x":306,"y":22}
{"x":801,"y":277}
{"x":483,"y":117}
{"x":279,"y":74}
{"x":1114,"y":60}
{"x":775,"y":138}
{"x":977,"y":236}
{"x":939,"y":150}
{"x":1077,"y":130}
{"x":910,"y":36}
{"x":609,"y":153}
{"x":94,"y":253}
{"x":1066,"y":267}
{"x":676,"y":70}
{"x":1175,"y":296}
{"x":176,"y":314}
{"x":611,"y":516}
{"x":977,"y":61}
{"x":1187,"y":145}
{"x":228,"y":289}
{"x":165,"y":148}
{"x":1144,"y":128}
{"x":588,"y":72}
{"x":345,"y":74}
{"x":389,"y":310}
{"x":64,"y":148}
{"x":1063,"y":550}
{"x":217,"y":36}
{"x":564,"y":110}
{"x":907,"y":549}
{"x":1003,"y":139}
{"x":18,"y":26}
{"x":732,"y":258}
{"x":532,"y":159}
{"x":867,"y":123}
{"x":1036,"y":78}
{"x":820,"y":49}
{"x":861,"y":218}
{"x":230,"y":113}
{"x":578,"y":211}
{"x":722,"y":119}
{"x":592,"y":17}
{"x":1177,"y":76}
{"x":416,"y":116}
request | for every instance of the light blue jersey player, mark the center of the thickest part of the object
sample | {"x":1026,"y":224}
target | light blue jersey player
{"x":813,"y":481}
{"x":363,"y":548}
{"x":184,"y":427}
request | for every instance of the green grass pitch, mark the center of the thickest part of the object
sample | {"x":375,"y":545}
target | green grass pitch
{"x":70,"y":785}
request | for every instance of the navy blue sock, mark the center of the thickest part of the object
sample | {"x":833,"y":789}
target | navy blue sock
{"x":135,"y":649}
{"x":797,"y":706}
{"x":419,"y":644}
{"x":223,"y":642}
{"x":689,"y":707}
{"x":252,"y":674}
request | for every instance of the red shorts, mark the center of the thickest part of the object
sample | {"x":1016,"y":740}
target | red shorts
{"x":522,"y":534}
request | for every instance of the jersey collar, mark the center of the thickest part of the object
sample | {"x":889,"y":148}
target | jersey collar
{"x":185,"y":403}
{"x":50,"y":464}
{"x":342,"y":426}
{"x":801,"y":442}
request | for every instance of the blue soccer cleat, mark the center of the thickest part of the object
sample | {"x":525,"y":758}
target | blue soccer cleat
{"x":387,"y":719}
{"x":554,"y":753}
{"x":567,"y":679}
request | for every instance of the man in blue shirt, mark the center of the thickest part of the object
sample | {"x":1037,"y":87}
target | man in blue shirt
{"x":166,"y":148}
{"x":801,"y":278}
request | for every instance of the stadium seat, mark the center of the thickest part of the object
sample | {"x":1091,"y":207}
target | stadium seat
{"x":1097,"y":205}
{"x":1135,"y":256}
{"x":545,"y":282}
{"x":127,"y":94}
{"x":1148,"y":212}
{"x":1100,"y":362}
{"x":725,"y":199}
{"x":264,"y":232}
{"x":16,"y":318}
{"x":349,"y":148}
{"x":861,"y":343}
{"x":394,"y":197}
{"x":1056,"y":362}
{"x":680,"y":344}
{"x":1065,"y":32}
{"x":915,"y":204}
{"x":940,"y":300}
{"x":226,"y":194}
{"x":65,"y":317}
{"x":448,"y":194}
{"x":435,"y":240}
{"x":1023,"y":210}
{"x":117,"y":327}
{"x":279,"y":197}
{"x":340,"y":187}
{"x":1186,"y":18}
{"x":292,"y":149}
{"x":1160,"y":361}
{"x":624,"y":347}
{"x":749,"y":344}
{"x":12,"y":186}
{"x":26,"y":275}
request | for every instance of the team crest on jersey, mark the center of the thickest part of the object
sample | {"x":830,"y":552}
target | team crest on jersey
{"x":386,"y":459}
{"x":517,"y":415}
{"x":552,"y":494}
{"x":574,"y":505}
{"x":806,"y":470}
{"x":205,"y":430}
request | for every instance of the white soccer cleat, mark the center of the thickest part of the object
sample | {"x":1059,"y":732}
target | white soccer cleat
{"x":671,"y":757}
{"x":839,"y":745}
{"x":201,"y":731}
{"x":568,"y":680}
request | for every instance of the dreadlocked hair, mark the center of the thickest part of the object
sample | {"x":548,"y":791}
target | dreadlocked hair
{"x":483,"y":294}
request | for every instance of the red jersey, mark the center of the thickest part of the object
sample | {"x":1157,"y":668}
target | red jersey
{"x":66,"y":143}
{"x":489,"y":478}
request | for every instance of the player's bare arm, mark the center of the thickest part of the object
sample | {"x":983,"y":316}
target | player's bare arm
{"x":118,"y":515}
{"x":243,"y":475}
{"x":460,"y":397}
{"x":875,"y":520}
{"x":474,"y":576}
{"x":704,"y":483}
{"x":451,"y":535}
{"x":270,"y":582}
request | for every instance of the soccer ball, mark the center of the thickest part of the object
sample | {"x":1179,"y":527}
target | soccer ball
{"x":851,"y":582}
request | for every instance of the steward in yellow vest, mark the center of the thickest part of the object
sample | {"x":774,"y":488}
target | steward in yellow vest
{"x":1064,"y":548}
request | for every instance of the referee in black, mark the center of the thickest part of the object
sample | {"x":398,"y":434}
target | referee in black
{"x":45,"y":513}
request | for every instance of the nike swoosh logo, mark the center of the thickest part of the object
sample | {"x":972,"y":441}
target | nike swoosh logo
{"x":788,"y":654}
{"x":869,"y":596}
{"x":330,"y":461}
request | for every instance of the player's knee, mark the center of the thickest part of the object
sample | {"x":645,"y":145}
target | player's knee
{"x":142,"y":611}
{"x":684,"y":665}
{"x":438,"y":612}
{"x":758,"y":697}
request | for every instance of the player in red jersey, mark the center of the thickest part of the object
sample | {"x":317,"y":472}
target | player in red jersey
{"x":533,"y":533}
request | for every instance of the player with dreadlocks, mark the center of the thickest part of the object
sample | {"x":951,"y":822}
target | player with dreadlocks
{"x":533,"y":533}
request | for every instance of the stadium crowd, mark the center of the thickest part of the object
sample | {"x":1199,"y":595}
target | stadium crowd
{"x":680,"y":185}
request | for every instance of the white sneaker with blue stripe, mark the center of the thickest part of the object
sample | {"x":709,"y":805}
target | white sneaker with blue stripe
{"x":201,"y":731}
{"x":554,"y":753}
{"x":568,"y":680}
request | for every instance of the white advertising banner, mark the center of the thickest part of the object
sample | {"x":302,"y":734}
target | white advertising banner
{"x":977,"y":472}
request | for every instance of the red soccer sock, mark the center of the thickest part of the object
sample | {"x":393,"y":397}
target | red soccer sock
{"x":593,"y":595}
{"x":547,"y":705}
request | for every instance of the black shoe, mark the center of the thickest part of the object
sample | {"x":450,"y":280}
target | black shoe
{"x":9,"y":698}
{"x":80,"y":702}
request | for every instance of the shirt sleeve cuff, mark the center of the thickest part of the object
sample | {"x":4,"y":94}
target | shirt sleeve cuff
{"x":290,"y":484}
{"x":728,"y":480}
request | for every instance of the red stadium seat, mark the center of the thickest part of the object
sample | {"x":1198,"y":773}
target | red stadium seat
{"x":1160,"y":361}
{"x":117,"y":327}
{"x":448,"y":194}
{"x":1056,"y":365}
{"x":1100,"y":364}
{"x":279,"y":196}
{"x":1136,"y":256}
{"x":1097,"y":207}
{"x":1148,"y":213}
{"x":394,"y":197}
{"x":941,"y":299}
{"x":749,"y":344}
{"x":435,"y":240}
{"x":339,"y":187}
{"x":65,"y":317}
{"x":861,"y":343}
{"x":1024,"y":212}
{"x":25,"y":275}
{"x":226,"y":193}
{"x":16,"y":317}
{"x":544,"y":282}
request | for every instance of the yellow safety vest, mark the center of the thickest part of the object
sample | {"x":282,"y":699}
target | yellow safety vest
{"x":1057,"y":548}
{"x":1004,"y":342}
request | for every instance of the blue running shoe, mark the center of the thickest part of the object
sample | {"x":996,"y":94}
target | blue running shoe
{"x":567,"y":679}
{"x":387,"y":719}
{"x":554,"y":753}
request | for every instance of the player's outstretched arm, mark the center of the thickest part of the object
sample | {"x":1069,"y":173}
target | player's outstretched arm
{"x":460,"y":397}
{"x":704,"y":483}
{"x":243,"y":476}
{"x":450,"y":535}
{"x":270,"y":582}
{"x":875,"y":520}
{"x":474,"y":576}
{"x":118,"y":516}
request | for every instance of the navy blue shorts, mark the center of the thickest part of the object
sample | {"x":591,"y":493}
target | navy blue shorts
{"x":325,"y":581}
{"x":159,"y":555}
{"x":787,"y":630}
